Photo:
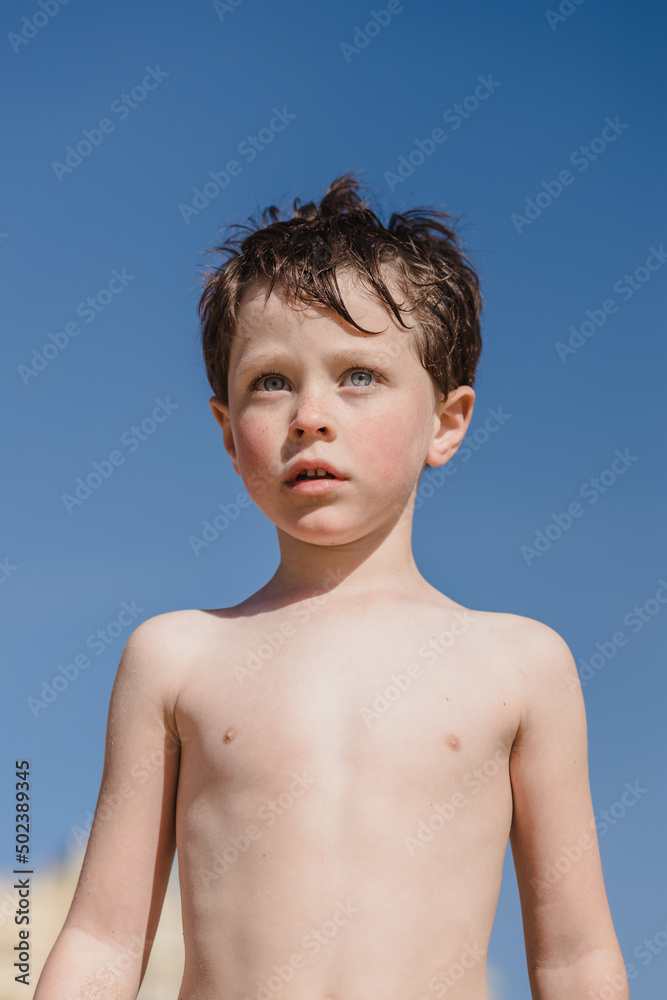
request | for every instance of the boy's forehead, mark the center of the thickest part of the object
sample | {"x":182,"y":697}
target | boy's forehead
{"x":256,"y":310}
{"x":258,"y":317}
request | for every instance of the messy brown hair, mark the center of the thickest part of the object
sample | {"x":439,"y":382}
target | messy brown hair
{"x":304,"y":254}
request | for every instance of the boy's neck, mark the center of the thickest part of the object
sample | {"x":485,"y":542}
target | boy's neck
{"x":356,"y":571}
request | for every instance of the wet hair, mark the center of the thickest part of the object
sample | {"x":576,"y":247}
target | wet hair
{"x":304,"y":254}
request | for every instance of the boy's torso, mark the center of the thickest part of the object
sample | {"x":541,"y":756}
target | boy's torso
{"x":344,"y":800}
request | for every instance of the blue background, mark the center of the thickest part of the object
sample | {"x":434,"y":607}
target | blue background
{"x":119,"y":208}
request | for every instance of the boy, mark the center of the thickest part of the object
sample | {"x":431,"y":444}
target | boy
{"x":344,"y":754}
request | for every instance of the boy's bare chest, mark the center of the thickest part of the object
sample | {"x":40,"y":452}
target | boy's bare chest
{"x":372,"y":702}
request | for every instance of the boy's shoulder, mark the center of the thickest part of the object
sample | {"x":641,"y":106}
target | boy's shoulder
{"x":511,"y":626}
{"x":165,"y":639}
{"x":531,"y":652}
{"x":165,"y":631}
{"x":535,"y":659}
{"x":159,"y":648}
{"x":534,"y":642}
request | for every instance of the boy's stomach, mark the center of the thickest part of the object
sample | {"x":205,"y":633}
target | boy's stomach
{"x":329,"y":882}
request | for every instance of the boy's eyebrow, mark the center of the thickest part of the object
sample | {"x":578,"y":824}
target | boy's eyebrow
{"x":347,"y":356}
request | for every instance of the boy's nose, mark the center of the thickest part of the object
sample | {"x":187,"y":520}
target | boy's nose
{"x":311,"y":417}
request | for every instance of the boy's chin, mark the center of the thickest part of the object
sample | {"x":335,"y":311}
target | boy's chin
{"x":326,"y":527}
{"x":321,"y":527}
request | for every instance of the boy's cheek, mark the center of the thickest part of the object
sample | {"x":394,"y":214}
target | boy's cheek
{"x":394,"y":445}
{"x":254,"y":477}
{"x":255,"y":455}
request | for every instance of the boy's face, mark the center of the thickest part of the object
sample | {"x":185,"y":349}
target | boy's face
{"x":304,"y":384}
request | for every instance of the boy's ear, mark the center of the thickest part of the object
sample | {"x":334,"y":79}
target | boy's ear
{"x":221,"y":413}
{"x":451,"y":420}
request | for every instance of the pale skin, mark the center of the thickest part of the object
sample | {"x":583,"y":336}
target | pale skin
{"x":341,"y":758}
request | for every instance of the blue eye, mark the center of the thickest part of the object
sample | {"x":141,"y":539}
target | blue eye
{"x":270,"y":382}
{"x":364,"y":374}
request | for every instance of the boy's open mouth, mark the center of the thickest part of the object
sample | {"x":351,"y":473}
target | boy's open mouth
{"x":313,"y":470}
{"x":314,"y":474}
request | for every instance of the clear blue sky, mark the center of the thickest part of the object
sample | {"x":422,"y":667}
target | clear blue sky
{"x":593,"y":78}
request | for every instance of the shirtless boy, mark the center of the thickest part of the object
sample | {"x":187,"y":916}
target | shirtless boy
{"x":344,"y":754}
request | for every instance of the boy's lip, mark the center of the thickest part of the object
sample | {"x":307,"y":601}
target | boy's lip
{"x":312,"y":463}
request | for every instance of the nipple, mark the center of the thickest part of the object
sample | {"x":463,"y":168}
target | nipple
{"x":453,"y":741}
{"x":229,"y":735}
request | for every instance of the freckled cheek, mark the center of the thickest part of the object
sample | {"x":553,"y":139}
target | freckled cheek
{"x":393,"y":446}
{"x":256,"y":447}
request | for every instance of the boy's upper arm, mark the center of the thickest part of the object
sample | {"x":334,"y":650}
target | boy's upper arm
{"x":553,"y":836}
{"x":132,"y":840}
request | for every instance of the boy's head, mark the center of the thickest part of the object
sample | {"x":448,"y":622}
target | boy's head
{"x":310,"y":360}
